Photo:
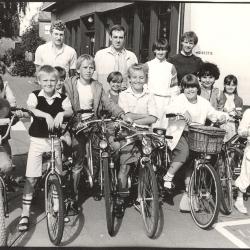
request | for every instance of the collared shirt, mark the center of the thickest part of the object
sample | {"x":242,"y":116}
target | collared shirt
{"x":46,"y":54}
{"x":108,"y":60}
{"x":32,"y":100}
{"x":143,"y":103}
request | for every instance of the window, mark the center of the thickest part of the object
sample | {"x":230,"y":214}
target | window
{"x":46,"y":29}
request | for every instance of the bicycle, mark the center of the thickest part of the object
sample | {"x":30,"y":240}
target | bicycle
{"x":5,"y":180}
{"x":52,"y":189}
{"x":204,"y":186}
{"x":97,"y":141}
{"x":228,"y":165}
{"x":142,"y":180}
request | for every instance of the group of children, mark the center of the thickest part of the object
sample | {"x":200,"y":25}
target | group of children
{"x":152,"y":88}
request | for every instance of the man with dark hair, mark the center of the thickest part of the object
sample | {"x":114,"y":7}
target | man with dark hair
{"x":55,"y":52}
{"x":114,"y":58}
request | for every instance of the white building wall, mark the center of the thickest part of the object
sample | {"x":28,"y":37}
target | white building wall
{"x":224,"y":39}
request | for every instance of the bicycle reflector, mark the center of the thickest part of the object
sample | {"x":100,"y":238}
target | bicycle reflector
{"x":103,"y":144}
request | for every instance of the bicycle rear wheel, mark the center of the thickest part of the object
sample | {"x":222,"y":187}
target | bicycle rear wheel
{"x":225,"y":174}
{"x":54,"y":210}
{"x":149,"y":199}
{"x":205,"y":195}
{"x":108,"y":196}
{"x":3,"y":233}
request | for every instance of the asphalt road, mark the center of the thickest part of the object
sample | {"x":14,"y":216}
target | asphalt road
{"x":88,"y":229}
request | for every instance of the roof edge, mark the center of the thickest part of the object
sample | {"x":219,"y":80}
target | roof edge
{"x":48,"y":7}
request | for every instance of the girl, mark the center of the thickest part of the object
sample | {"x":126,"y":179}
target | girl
{"x":208,"y":74}
{"x":232,"y":104}
{"x":195,"y":109}
{"x":243,"y":181}
{"x":162,"y":79}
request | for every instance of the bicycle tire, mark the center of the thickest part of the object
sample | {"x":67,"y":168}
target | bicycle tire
{"x":149,"y":199}
{"x":205,"y":195}
{"x":225,"y":173}
{"x":109,"y":201}
{"x":55,"y":230}
{"x":3,"y":232}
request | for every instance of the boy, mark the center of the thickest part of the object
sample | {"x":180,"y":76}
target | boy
{"x":162,"y":79}
{"x":86,"y":93}
{"x":115,"y":81}
{"x":62,"y":76}
{"x":139,"y":105}
{"x":186,"y":62}
{"x":46,"y":103}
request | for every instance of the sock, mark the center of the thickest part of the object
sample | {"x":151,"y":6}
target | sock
{"x":168,"y":177}
{"x":26,"y":204}
{"x":168,"y":180}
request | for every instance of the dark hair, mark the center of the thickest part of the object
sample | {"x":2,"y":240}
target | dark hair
{"x":1,"y":84}
{"x":161,"y":44}
{"x":58,"y":25}
{"x":227,"y":81}
{"x":208,"y":68}
{"x":61,"y":72}
{"x":190,"y":35}
{"x":117,"y":27}
{"x":190,"y":80}
{"x":115,"y":76}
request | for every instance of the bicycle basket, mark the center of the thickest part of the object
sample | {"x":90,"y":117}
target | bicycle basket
{"x":205,"y":139}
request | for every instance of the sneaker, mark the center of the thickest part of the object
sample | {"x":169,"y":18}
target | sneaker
{"x":185,"y":203}
{"x":239,"y":205}
{"x":169,"y":187}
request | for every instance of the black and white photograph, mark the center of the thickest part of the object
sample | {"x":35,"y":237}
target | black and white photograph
{"x":125,"y":124}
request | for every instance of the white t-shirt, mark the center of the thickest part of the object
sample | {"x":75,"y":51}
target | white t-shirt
{"x":86,"y":98}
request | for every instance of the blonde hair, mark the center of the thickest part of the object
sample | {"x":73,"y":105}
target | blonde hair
{"x":137,"y":67}
{"x":47,"y":69}
{"x":83,"y":57}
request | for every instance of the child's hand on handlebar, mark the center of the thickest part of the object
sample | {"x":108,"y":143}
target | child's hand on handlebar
{"x":50,"y":121}
{"x":127,"y":119}
{"x":187,"y":117}
{"x":58,"y":120}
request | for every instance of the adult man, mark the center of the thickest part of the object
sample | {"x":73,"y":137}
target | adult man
{"x":114,"y":58}
{"x":55,"y":52}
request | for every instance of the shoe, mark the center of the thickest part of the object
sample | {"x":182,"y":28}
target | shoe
{"x":119,"y":208}
{"x":23,"y":226}
{"x":185,"y":206}
{"x":169,"y":187}
{"x":73,"y":209}
{"x":185,"y":203}
{"x":239,"y":205}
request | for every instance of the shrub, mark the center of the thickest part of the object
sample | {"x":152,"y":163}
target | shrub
{"x":23,"y":68}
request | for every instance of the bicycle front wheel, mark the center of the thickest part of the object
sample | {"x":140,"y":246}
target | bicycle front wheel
{"x":3,"y":233}
{"x":205,"y":195}
{"x":54,"y":210}
{"x":109,"y":199}
{"x":149,"y":199}
{"x":225,"y":174}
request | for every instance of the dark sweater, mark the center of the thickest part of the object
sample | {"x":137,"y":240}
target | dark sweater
{"x":39,"y":127}
{"x":185,"y":64}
